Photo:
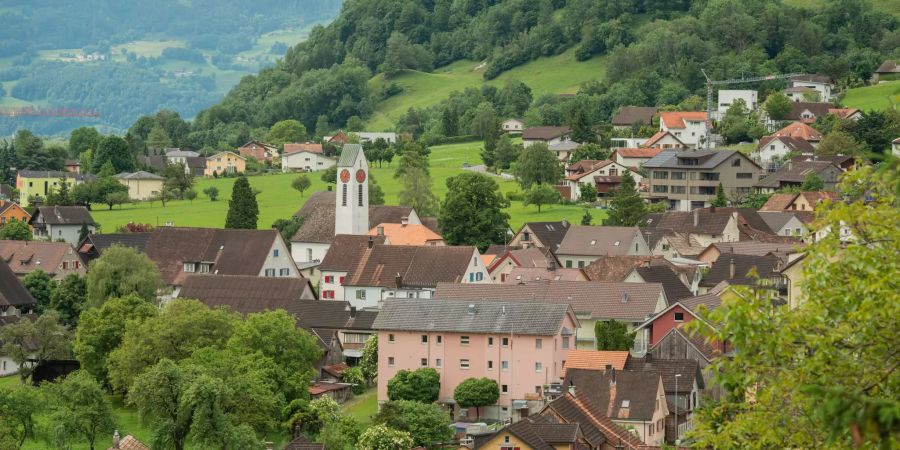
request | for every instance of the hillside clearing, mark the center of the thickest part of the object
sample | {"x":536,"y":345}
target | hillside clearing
{"x":879,"y":96}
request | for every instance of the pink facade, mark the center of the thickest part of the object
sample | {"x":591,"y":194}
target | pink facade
{"x":521,"y":364}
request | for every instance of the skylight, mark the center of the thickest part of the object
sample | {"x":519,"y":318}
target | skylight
{"x":626,"y":403}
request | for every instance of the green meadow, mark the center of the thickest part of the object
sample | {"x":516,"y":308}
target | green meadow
{"x":878,"y":96}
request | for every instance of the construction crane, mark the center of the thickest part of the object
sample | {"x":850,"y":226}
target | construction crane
{"x":709,"y":93}
{"x":30,"y":111}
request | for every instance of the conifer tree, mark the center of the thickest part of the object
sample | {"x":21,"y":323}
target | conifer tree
{"x":627,"y":209}
{"x":720,"y":200}
{"x":243,"y":212}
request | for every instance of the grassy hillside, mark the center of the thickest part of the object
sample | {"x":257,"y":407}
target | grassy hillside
{"x":879,"y":96}
{"x":555,"y":74}
{"x":278,"y":200}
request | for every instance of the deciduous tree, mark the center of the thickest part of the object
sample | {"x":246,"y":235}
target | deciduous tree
{"x":301,"y":183}
{"x":778,"y":106}
{"x":425,"y":422}
{"x":589,"y":151}
{"x":68,"y":298}
{"x":121,"y":271}
{"x":369,"y":361}
{"x":380,"y":437}
{"x":537,"y":165}
{"x":81,"y":410}
{"x":421,"y":385}
{"x":539,"y":195}
{"x":16,"y":230}
{"x":472,"y":212}
{"x":30,"y":343}
{"x":40,"y":286}
{"x":286,"y":131}
{"x":18,"y":405}
{"x":613,"y":335}
{"x":212,"y":193}
{"x":476,"y":392}
{"x":113,"y":150}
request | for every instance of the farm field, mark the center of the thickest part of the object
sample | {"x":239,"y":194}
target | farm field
{"x":277,"y":200}
{"x":879,"y":96}
{"x":554,"y":74}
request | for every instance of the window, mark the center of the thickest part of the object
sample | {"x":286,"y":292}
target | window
{"x":490,"y":365}
{"x":391,"y":337}
{"x":581,"y":264}
{"x":464,"y":364}
{"x":526,"y":237}
{"x":504,"y":365}
{"x":344,"y":194}
{"x":736,"y":162}
{"x":189,"y":267}
{"x":679,"y":317}
{"x":627,"y":403}
{"x":270,"y":272}
{"x":744,"y":175}
{"x":424,"y":362}
{"x":329,"y":278}
{"x":275,"y":253}
{"x":660,"y":174}
{"x":360,"y":294}
{"x":660,"y":188}
{"x":504,"y":389}
{"x":676,"y":189}
{"x":677,"y":175}
{"x":424,"y":338}
{"x":437,"y":363}
{"x":439,"y":339}
{"x":471,"y":277}
{"x":538,"y":367}
{"x":341,"y":280}
{"x":284,"y":272}
{"x":360,"y":193}
{"x":309,"y":254}
{"x":504,"y":342}
{"x":328,"y":294}
{"x":568,"y":264}
{"x":390,"y":361}
{"x":463,"y":340}
{"x":538,"y":344}
{"x":479,"y":276}
{"x":490,"y":341}
{"x":565,"y":342}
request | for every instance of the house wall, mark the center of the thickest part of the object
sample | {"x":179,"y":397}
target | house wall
{"x":690,"y":135}
{"x":333,"y":290}
{"x":690,"y":191}
{"x":476,"y":272}
{"x":795,"y":282}
{"x":308,"y":161}
{"x":521,"y":378}
{"x":526,"y":238}
{"x":364,"y":296}
{"x":142,"y":189}
{"x":67,"y":233}
{"x":614,"y":169}
{"x":823,"y":89}
{"x":637,"y":247}
{"x":39,"y":186}
{"x":727,"y":98}
{"x":7,"y":366}
{"x":513,"y":126}
{"x":529,"y":142}
{"x":793,"y":227}
{"x":631,"y":162}
{"x":765,"y":155}
{"x":668,"y":142}
{"x":224,"y":162}
{"x":308,"y":252}
{"x":14,"y":213}
{"x":502,"y":270}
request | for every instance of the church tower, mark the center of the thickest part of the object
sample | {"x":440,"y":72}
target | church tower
{"x":351,"y":212}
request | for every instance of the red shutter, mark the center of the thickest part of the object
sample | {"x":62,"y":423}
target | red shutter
{"x":342,"y":281}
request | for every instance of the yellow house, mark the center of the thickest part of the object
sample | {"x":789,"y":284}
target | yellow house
{"x":793,"y":276}
{"x":225,"y":162}
{"x":39,"y":183}
{"x":141,"y":185}
{"x":534,"y":434}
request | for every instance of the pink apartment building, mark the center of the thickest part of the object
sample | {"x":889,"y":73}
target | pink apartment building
{"x":521,"y":345}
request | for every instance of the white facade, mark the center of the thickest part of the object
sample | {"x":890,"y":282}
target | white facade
{"x":895,"y":147}
{"x":626,"y":143}
{"x":67,"y":233}
{"x":609,"y":170}
{"x":512,"y":126}
{"x":351,"y":212}
{"x":765,"y":155}
{"x":367,"y":136}
{"x":306,"y":160}
{"x":824,"y":89}
{"x":308,"y":252}
{"x":690,"y":135}
{"x":727,"y":98}
{"x":279,"y":262}
{"x":529,"y":142}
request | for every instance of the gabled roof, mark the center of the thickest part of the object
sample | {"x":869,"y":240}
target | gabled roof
{"x":633,"y":398}
{"x":300,"y":443}
{"x":544,"y":133}
{"x":756,"y":248}
{"x":55,"y":174}
{"x":822,"y":79}
{"x":262,"y":144}
{"x":550,"y":234}
{"x":102,"y":242}
{"x":793,"y":144}
{"x":710,"y":301}
{"x":302,"y":147}
{"x":643,"y":152}
{"x":632,"y":302}
{"x":527,"y":274}
{"x":763,"y":265}
{"x":594,"y":360}
{"x":417,"y":266}
{"x":699,"y":221}
{"x":597,"y":241}
{"x":531,"y":257}
{"x":12,"y":292}
{"x":776,"y":220}
{"x":63,"y":215}
{"x":129,"y":442}
{"x":659,"y":135}
{"x":344,"y":253}
{"x":595,"y":426}
{"x":318,"y":217}
{"x":843,"y":113}
{"x":614,"y":268}
{"x":677,"y":119}
{"x":246,"y":294}
{"x":472,"y":316}
{"x":24,"y":257}
{"x":406,"y":234}
{"x":214,"y":155}
{"x":795,"y":172}
{"x":675,"y":289}
{"x":177,"y":152}
{"x":629,"y":115}
{"x":139,"y":175}
{"x":888,"y":66}
{"x":538,"y":433}
{"x":779,"y":202}
{"x":818,"y":109}
{"x":706,"y":160}
{"x":564,"y":146}
{"x":696,"y":341}
{"x":349,"y":153}
{"x":689,"y":370}
{"x":799,"y":130}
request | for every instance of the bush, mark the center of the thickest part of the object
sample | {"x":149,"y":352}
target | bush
{"x":355,"y":376}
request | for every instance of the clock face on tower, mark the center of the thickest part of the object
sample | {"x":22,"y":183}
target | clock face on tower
{"x":345,"y":176}
{"x":360,"y":176}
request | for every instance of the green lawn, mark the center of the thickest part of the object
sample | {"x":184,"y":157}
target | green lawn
{"x":879,"y":96}
{"x":362,"y":407}
{"x":278,"y":200}
{"x":555,"y":74}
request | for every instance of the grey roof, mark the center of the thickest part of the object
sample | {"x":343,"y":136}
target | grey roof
{"x":764,"y":265}
{"x":550,"y":234}
{"x":795,"y":172}
{"x":629,"y":115}
{"x":813,"y":78}
{"x":63,"y":215}
{"x":700,"y":221}
{"x":318,"y":217}
{"x":12,"y":292}
{"x":139,"y":175}
{"x":597,"y":241}
{"x":631,"y":302}
{"x":565,"y":146}
{"x":711,"y":301}
{"x":706,"y":159}
{"x":544,"y":133}
{"x":474,"y":316}
{"x":776,"y":220}
{"x":689,"y":370}
{"x":55,"y":174}
{"x":673,"y":286}
{"x":246,"y":294}
{"x":349,"y":154}
{"x":170,"y":153}
{"x":757,"y":248}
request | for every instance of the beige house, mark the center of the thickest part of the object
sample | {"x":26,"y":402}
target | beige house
{"x":141,"y":185}
{"x":687,"y":180}
{"x":225,"y":162}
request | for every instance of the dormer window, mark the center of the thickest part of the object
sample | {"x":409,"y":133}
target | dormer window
{"x":204,"y":268}
{"x":190,"y":267}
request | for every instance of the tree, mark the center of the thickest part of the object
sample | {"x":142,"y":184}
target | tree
{"x":81,"y":410}
{"x":35,"y":342}
{"x":506,"y":152}
{"x":315,"y":415}
{"x":243,"y":211}
{"x":485,"y":122}
{"x":83,"y":139}
{"x":580,"y":123}
{"x":812,"y":182}
{"x":827,"y":363}
{"x":613,"y":335}
{"x":301,"y":183}
{"x":427,"y":423}
{"x":421,"y":385}
{"x":329,"y":175}
{"x":476,"y":392}
{"x":369,"y":361}
{"x":588,"y":193}
{"x":839,"y":143}
{"x":120,"y":271}
{"x":40,"y":286}
{"x":19,"y":405}
{"x":341,"y":434}
{"x":626,"y":208}
{"x":590,"y":152}
{"x":83,"y":232}
{"x":537,"y":165}
{"x":100,"y":331}
{"x":116,"y":198}
{"x":157,"y":140}
{"x":286,"y":131}
{"x":212,"y":193}
{"x":380,"y":437}
{"x":177,"y":179}
{"x":539,"y":195}
{"x":16,"y":230}
{"x":587,"y":218}
{"x":472,"y":212}
{"x":159,"y":393}
{"x":113,"y":150}
{"x":720,"y":200}
{"x":416,"y":180}
{"x":778,"y":106}
{"x":190,"y":195}
{"x":376,"y":194}
{"x":68,"y":299}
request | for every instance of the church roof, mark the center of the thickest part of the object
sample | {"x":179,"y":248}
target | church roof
{"x":349,"y":154}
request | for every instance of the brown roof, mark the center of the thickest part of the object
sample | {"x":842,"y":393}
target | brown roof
{"x":344,"y":253}
{"x":764,"y":266}
{"x":844,"y":113}
{"x":795,"y":172}
{"x":596,"y":241}
{"x":632,"y":398}
{"x":779,"y":202}
{"x":62,"y":215}
{"x":246,"y":294}
{"x":582,"y":166}
{"x":538,"y":434}
{"x":658,"y":136}
{"x":24,"y":257}
{"x":336,"y":370}
{"x":710,"y":301}
{"x":629,"y":115}
{"x":544,"y":133}
{"x":300,"y":443}
{"x":318,"y":217}
{"x":643,"y":152}
{"x":888,"y":66}
{"x":800,"y":130}
{"x":632,"y":302}
{"x":232,"y":252}
{"x":526,"y":274}
{"x":302,"y":147}
{"x":12,"y":292}
{"x":614,"y":268}
{"x":689,"y":370}
{"x":129,"y":443}
{"x":417,"y":266}
{"x":757,"y":248}
{"x":595,"y":426}
{"x":675,"y":119}
{"x":594,"y":360}
{"x":794,"y":144}
{"x":550,"y":234}
{"x":665,"y":276}
{"x":818,"y":109}
{"x":703,"y":346}
{"x":531,"y":257}
{"x":707,"y":221}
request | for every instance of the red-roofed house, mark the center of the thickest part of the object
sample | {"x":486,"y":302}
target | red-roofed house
{"x":259,"y":150}
{"x":846,"y":113}
{"x":800,"y":130}
{"x":687,"y":126}
{"x":664,"y":140}
{"x":604,"y":175}
{"x":633,"y":157}
{"x":772,"y":150}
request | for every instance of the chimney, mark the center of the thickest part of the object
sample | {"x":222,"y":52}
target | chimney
{"x":790,"y":164}
{"x":612,"y":393}
{"x":648,"y":357}
{"x":380,"y":230}
{"x":404,"y":220}
{"x":352,"y":312}
{"x":612,"y":376}
{"x":398,"y":280}
{"x":371,"y":242}
{"x":565,"y":223}
{"x":731,"y":268}
{"x":551,"y":265}
{"x":696,"y":217}
{"x":116,"y":439}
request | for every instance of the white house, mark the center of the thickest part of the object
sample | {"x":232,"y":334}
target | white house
{"x":179,"y":156}
{"x":633,"y":157}
{"x":369,"y":136}
{"x":585,"y":244}
{"x":663,"y":140}
{"x":772,"y":149}
{"x":819,"y":83}
{"x":727,"y":97}
{"x":63,"y":223}
{"x":618,"y":142}
{"x":784,"y":223}
{"x":306,"y":160}
{"x":688,"y":126}
{"x":513,"y":125}
{"x":547,"y":135}
{"x":604,"y":175}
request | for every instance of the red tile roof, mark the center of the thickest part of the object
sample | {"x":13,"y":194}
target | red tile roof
{"x":594,"y":360}
{"x":675,"y":119}
{"x":658,"y":136}
{"x":799,"y":130}
{"x":638,"y":152}
{"x":305,"y":147}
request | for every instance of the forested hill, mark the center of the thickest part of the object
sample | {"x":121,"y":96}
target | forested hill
{"x":125,"y":58}
{"x":652,"y":50}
